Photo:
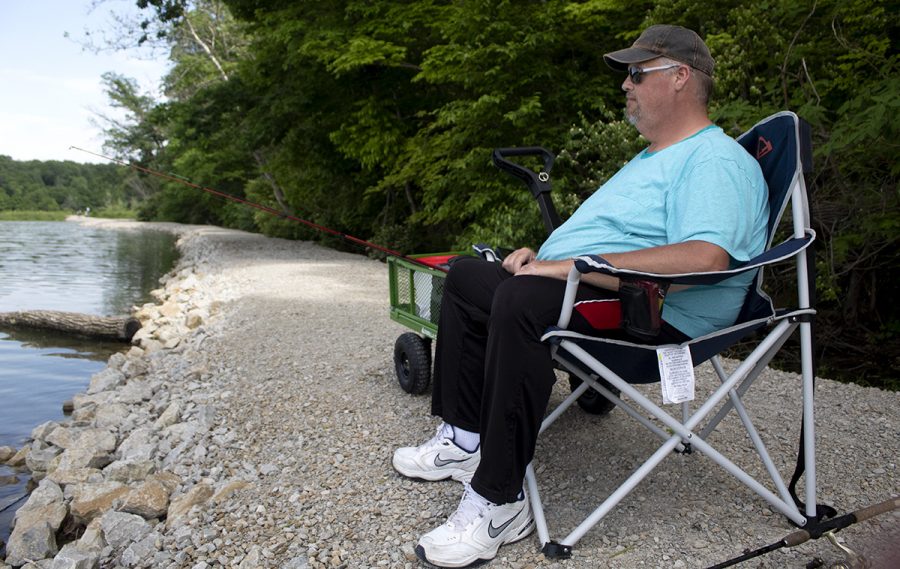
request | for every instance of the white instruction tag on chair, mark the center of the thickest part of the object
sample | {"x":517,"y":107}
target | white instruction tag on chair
{"x":676,"y":374}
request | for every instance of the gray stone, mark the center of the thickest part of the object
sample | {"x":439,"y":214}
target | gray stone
{"x":83,"y":458}
{"x":135,"y":391}
{"x":302,"y":562}
{"x":52,"y":514}
{"x":39,"y":460}
{"x":73,"y":556}
{"x":128,"y":471}
{"x":252,"y":560}
{"x":6,"y":453}
{"x":37,"y":541}
{"x":105,"y":380}
{"x":170,"y":416}
{"x":140,"y":444}
{"x":89,"y":438}
{"x":111,"y":415}
{"x":46,"y":493}
{"x":41,"y":432}
{"x":140,"y":552}
{"x":135,"y":365}
{"x":121,"y":529}
{"x":92,"y":538}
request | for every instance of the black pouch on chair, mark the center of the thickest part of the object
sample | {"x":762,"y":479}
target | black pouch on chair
{"x":642,"y":302}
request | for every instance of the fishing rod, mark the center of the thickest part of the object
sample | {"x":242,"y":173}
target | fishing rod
{"x":825,"y":528}
{"x":272,"y":211}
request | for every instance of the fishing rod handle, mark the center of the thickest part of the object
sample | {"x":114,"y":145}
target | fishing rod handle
{"x":841,"y":522}
{"x":877,"y":509}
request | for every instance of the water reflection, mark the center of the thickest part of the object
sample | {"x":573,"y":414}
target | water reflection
{"x":64,"y":266}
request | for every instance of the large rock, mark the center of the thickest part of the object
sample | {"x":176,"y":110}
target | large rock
{"x":140,"y":444}
{"x":53,"y":514}
{"x":46,"y":493}
{"x":69,"y":476}
{"x":141,"y":552}
{"x":83,"y":458}
{"x":6,"y":453}
{"x":128,"y":471}
{"x":135,"y":391}
{"x":121,"y":529}
{"x":39,"y":460}
{"x":43,"y":430}
{"x":111,"y":415}
{"x":20,"y":458}
{"x":89,"y":438}
{"x":92,"y":538}
{"x":182,"y":504}
{"x":92,"y":500}
{"x":149,"y":500}
{"x":135,"y":366}
{"x":31,"y":542}
{"x":73,"y":556}
{"x":105,"y":380}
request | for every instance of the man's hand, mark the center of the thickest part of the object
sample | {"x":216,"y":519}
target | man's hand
{"x":522,"y":262}
{"x":515,"y":260}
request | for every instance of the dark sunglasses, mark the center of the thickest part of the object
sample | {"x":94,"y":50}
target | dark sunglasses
{"x":637,"y":74}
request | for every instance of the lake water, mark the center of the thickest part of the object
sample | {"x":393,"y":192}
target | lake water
{"x":62,"y":266}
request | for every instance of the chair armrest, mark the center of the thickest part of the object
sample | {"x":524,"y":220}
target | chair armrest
{"x":785,"y":250}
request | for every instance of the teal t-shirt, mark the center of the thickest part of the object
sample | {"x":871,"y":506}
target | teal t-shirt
{"x":705,"y":187}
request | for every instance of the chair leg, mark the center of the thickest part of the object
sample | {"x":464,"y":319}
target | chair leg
{"x":809,"y":429}
{"x":754,"y":436}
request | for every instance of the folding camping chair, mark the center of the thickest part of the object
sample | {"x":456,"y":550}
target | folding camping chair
{"x":781,"y":145}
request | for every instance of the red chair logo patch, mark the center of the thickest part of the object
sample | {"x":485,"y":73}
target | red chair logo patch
{"x":763,"y":147}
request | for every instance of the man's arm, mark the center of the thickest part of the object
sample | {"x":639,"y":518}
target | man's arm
{"x":687,"y":257}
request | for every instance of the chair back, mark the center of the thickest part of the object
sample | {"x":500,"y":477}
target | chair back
{"x":782,"y":146}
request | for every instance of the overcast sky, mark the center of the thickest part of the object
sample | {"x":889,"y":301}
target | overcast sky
{"x":49,"y":86}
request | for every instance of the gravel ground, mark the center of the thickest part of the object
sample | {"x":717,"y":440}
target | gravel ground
{"x":297,"y":363}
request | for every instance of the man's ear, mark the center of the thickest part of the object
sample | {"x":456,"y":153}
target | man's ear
{"x":682,"y":76}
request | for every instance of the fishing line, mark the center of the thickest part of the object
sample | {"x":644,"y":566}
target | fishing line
{"x":272,"y":211}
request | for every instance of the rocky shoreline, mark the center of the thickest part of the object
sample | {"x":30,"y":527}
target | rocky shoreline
{"x":252,"y":422}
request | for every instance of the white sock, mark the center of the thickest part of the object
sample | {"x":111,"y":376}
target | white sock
{"x":466,"y":440}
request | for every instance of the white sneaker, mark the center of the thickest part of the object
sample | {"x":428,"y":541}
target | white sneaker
{"x":437,"y":459}
{"x":475,"y":531}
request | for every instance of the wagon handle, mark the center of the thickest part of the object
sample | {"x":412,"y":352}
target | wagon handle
{"x":537,"y":182}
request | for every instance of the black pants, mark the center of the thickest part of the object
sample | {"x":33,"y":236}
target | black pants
{"x":492,"y":374}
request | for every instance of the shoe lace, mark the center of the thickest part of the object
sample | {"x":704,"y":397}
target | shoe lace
{"x":471,"y":507}
{"x":444,"y":432}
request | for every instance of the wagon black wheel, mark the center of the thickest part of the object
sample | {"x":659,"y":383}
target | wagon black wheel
{"x":412,"y":360}
{"x":591,"y":401}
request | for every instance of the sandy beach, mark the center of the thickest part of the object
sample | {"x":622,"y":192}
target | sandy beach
{"x":252,"y":425}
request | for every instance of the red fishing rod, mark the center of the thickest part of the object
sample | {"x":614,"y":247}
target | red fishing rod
{"x":173,"y":178}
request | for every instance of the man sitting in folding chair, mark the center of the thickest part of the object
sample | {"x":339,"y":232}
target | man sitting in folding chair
{"x":693,"y":201}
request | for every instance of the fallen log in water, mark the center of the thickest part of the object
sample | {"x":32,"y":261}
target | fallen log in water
{"x":119,"y":328}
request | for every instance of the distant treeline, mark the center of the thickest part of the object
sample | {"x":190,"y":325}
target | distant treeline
{"x":36,"y":185}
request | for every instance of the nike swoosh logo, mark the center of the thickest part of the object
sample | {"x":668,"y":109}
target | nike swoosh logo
{"x":494,"y":532}
{"x":439,"y":462}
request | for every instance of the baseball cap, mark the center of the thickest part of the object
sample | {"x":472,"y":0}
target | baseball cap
{"x":674,"y":42}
